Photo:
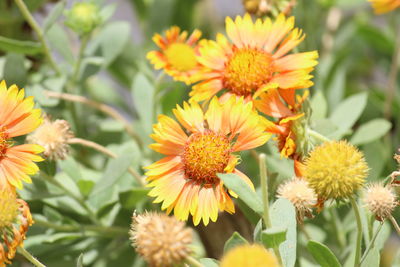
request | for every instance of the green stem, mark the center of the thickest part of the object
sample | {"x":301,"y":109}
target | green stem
{"x":193,"y":262}
{"x":372,"y":243}
{"x":111,"y":231}
{"x":395,"y":225}
{"x":77,"y":67}
{"x":35,"y":26}
{"x":29,"y":257}
{"x":92,"y":215}
{"x":264,"y":190}
{"x":359,"y":232}
{"x":317,"y":135}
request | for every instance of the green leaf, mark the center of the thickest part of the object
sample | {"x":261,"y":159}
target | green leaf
{"x":283,"y":214}
{"x":319,"y":106}
{"x":20,"y":47}
{"x":322,"y":254}
{"x":235,"y":240}
{"x":347,"y":113}
{"x":208,"y":262}
{"x":115,"y":169}
{"x":14,"y":70}
{"x":246,"y":194}
{"x":371,"y":131}
{"x":273,"y":236}
{"x":143,"y":92}
{"x":54,"y":14}
{"x":79,"y":262}
{"x":129,"y":199}
{"x":59,"y":41}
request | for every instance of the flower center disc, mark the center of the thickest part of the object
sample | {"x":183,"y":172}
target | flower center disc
{"x":247,"y":70}
{"x":181,"y":56}
{"x":205,"y":155}
{"x":8,"y":207}
{"x":3,"y":144}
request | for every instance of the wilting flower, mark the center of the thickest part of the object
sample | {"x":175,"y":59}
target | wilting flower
{"x":249,"y":255}
{"x":264,"y":7}
{"x":160,"y":239}
{"x":17,"y":117}
{"x":186,"y":180}
{"x":53,"y":136}
{"x":380,"y":200}
{"x":383,"y":6}
{"x":255,"y":60}
{"x":335,"y":170}
{"x":298,"y":192}
{"x":15,"y":219}
{"x":177,"y":54}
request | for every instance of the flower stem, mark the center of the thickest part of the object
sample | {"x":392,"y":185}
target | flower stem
{"x":372,"y":243}
{"x":193,"y":262}
{"x":35,"y":26}
{"x":77,"y":67}
{"x":359,"y":232}
{"x":29,"y":257}
{"x":317,"y":135}
{"x":111,"y":231}
{"x":106,"y":152}
{"x":99,"y":106}
{"x":395,"y":224}
{"x":265,"y":198}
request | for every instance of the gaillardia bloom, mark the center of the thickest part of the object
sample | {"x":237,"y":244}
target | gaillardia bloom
{"x":160,"y":239}
{"x":384,"y":6}
{"x":177,"y":54}
{"x":335,"y":170}
{"x":53,"y":136}
{"x":186,"y":180}
{"x":249,"y":255}
{"x":15,"y":218}
{"x":17,"y":117}
{"x":255,"y":60}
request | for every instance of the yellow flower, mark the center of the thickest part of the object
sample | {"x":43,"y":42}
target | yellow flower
{"x":177,"y":54}
{"x":186,"y":180}
{"x":161,"y":240}
{"x":335,"y":170}
{"x":17,"y":117}
{"x":15,"y":219}
{"x":249,"y":255}
{"x":53,"y":136}
{"x":380,"y":200}
{"x":255,"y":60}
{"x":383,"y":6}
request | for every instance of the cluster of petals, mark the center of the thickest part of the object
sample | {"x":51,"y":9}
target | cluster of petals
{"x":384,"y":6}
{"x":186,"y":179}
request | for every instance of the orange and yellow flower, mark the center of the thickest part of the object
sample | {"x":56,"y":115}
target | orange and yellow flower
{"x":177,"y":54}
{"x":186,"y":179}
{"x":384,"y":6}
{"x":255,"y":60}
{"x":285,"y":106}
{"x":17,"y":117}
{"x":15,"y":219}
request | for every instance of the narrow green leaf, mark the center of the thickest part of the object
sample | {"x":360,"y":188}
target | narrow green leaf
{"x":54,"y":14}
{"x":319,"y":106}
{"x":246,"y":194}
{"x":273,"y":236}
{"x":347,"y":113}
{"x":79,"y":262}
{"x":208,"y":262}
{"x":322,"y":254}
{"x":235,"y":240}
{"x":371,"y":131}
{"x":283,"y":214}
{"x":14,"y":70}
{"x":129,"y":199}
{"x":20,"y":47}
{"x":143,"y":92}
{"x":59,"y":41}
